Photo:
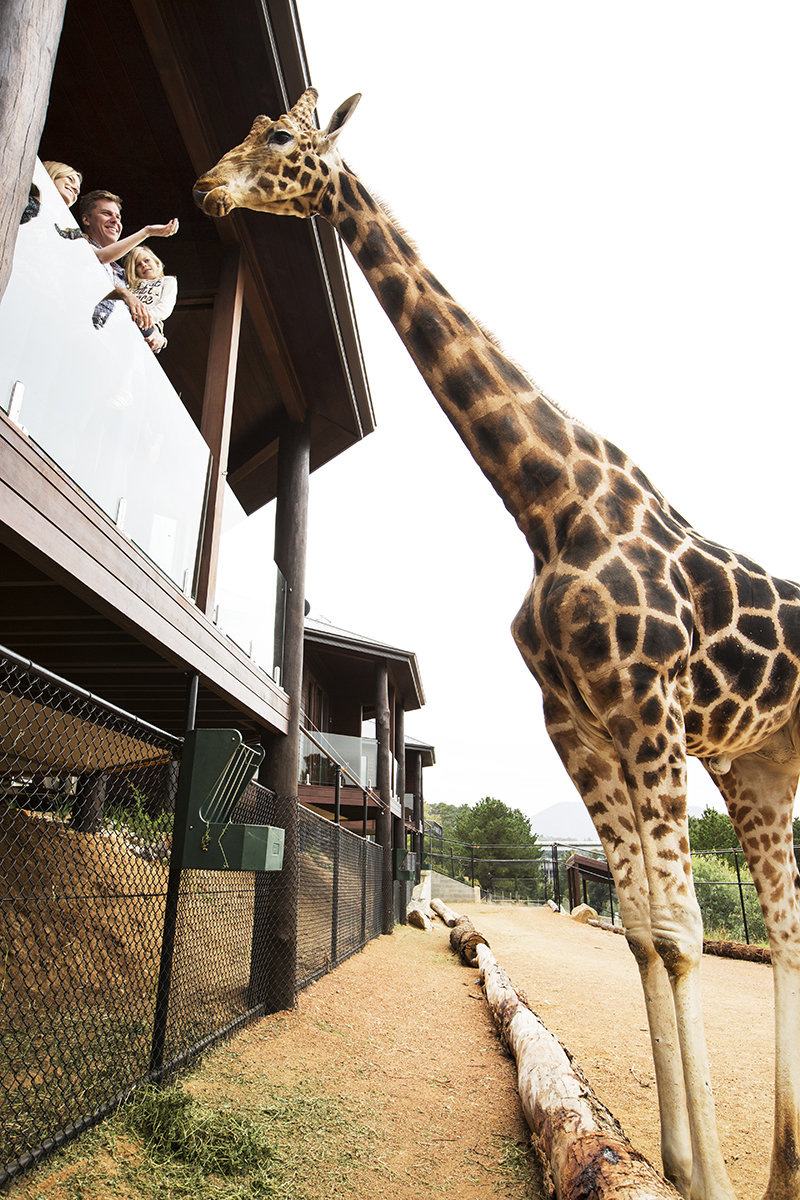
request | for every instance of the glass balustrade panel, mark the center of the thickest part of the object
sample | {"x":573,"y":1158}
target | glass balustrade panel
{"x":96,"y":400}
{"x":358,"y":755}
{"x":250,"y":597}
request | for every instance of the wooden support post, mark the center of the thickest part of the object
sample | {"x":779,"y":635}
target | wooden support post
{"x":399,"y":823}
{"x":30,"y":31}
{"x":384,"y":822}
{"x":215,"y":425}
{"x":90,"y":798}
{"x":418,"y":810}
{"x":276,"y":900}
{"x":171,"y":901}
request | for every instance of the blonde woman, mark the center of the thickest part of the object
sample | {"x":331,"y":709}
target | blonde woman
{"x":67,"y":180}
{"x":144,"y":274}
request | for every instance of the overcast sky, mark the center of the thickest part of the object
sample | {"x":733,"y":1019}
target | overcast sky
{"x":613,"y":189}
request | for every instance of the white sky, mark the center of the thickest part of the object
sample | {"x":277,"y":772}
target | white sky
{"x":613,"y":189}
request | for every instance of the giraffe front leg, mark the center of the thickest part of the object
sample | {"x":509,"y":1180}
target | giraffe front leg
{"x":598,"y":776}
{"x":655,"y":771}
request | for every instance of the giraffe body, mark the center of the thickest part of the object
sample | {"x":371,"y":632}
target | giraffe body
{"x":649,"y":642}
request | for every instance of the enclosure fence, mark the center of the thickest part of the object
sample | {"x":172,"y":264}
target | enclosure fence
{"x":117,"y":967}
{"x":537,"y":874}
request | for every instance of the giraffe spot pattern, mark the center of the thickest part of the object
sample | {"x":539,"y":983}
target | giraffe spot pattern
{"x":635,"y":587}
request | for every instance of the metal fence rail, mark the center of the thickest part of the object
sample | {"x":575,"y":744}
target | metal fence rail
{"x":725,"y":892}
{"x":97,"y":995}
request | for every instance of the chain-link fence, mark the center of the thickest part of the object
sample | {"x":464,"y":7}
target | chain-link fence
{"x":117,"y":966}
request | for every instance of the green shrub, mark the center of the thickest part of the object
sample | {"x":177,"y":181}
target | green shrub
{"x":717,"y":889}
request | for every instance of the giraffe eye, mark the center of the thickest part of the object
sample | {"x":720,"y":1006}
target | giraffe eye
{"x":280,"y":137}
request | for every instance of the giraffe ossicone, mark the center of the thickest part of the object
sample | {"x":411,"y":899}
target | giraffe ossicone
{"x":649,"y":641}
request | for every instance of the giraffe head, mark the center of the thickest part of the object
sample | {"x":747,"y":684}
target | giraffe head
{"x":281,"y":166}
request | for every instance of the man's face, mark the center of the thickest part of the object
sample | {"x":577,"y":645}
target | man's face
{"x":103,"y":222}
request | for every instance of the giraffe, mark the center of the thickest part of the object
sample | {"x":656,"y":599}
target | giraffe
{"x":649,"y":641}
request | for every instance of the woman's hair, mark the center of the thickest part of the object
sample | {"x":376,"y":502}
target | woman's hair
{"x":130,"y":265}
{"x":58,"y":170}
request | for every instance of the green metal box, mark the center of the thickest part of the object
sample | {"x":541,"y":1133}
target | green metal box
{"x":216,"y":767}
{"x":404,"y":863}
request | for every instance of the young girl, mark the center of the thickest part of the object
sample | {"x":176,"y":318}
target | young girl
{"x":144,"y":272}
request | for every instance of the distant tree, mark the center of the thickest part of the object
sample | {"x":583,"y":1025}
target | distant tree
{"x":712,"y":831}
{"x":497,"y":833}
{"x":445,"y":815}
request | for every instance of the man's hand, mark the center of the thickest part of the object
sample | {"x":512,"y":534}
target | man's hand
{"x":163,"y":230}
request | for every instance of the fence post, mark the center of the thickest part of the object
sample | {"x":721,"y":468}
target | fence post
{"x":556,"y":880}
{"x":741,"y":895}
{"x":337,"y":835}
{"x":472,"y":853}
{"x":365,"y":817}
{"x":364,"y":846}
{"x":452,"y":865}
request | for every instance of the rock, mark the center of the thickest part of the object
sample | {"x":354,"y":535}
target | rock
{"x":583,"y":913}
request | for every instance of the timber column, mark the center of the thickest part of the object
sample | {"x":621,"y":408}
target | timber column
{"x":418,"y":811}
{"x":384,"y":822}
{"x":274,"y":956}
{"x":399,"y":823}
{"x":29,"y":37}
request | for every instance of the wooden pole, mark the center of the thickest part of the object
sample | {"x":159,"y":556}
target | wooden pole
{"x":384,"y":821}
{"x":171,"y":901}
{"x":399,"y":823}
{"x":276,"y":900}
{"x":30,"y":31}
{"x":215,"y":424}
{"x":418,"y":810}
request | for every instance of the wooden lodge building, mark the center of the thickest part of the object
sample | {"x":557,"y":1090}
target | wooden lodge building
{"x":122,"y":479}
{"x":345,"y":679}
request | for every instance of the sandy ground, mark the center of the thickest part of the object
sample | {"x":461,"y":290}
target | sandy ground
{"x":402,"y":1033}
{"x":403,"y":1023}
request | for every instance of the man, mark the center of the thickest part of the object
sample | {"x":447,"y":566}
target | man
{"x":101,"y":221}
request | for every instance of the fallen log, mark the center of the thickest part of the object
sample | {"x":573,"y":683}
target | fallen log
{"x":418,"y":917}
{"x":738,"y":950}
{"x":609,"y":928}
{"x":583,"y":1146}
{"x":446,"y":914}
{"x":464,"y":941}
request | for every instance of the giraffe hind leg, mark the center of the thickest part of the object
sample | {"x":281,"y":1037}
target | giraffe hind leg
{"x":759,"y":791}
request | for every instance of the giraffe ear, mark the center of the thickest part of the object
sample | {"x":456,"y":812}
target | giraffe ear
{"x":340,"y":119}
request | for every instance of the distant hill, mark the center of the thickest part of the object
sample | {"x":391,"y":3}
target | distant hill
{"x":568,"y":821}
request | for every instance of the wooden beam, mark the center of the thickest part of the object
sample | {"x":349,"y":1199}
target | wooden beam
{"x":30,"y":31}
{"x":265,"y":455}
{"x":215,"y":424}
{"x":186,"y":95}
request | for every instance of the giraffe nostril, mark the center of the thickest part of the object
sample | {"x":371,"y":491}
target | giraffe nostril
{"x":199,"y":196}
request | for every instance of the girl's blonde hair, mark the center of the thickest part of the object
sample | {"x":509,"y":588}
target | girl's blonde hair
{"x":131,"y":278}
{"x":58,"y":170}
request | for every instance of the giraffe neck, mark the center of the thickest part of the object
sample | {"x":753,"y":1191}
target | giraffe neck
{"x":543,"y":465}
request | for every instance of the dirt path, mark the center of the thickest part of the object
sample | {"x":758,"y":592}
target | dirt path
{"x":400,"y":1037}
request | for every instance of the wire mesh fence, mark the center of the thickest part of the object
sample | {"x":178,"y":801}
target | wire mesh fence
{"x":725,"y":891}
{"x":116,"y":966}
